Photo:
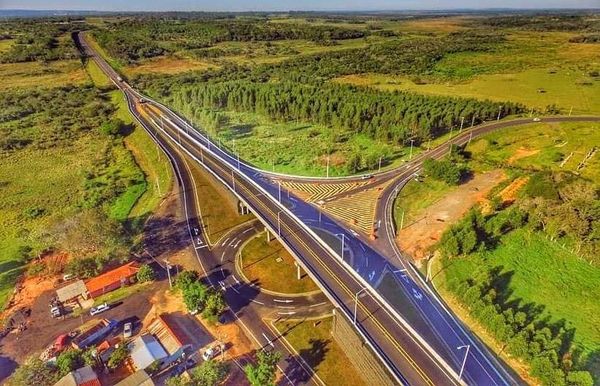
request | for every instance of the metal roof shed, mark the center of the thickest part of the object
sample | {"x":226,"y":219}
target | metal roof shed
{"x":145,"y":350}
{"x":71,"y":291}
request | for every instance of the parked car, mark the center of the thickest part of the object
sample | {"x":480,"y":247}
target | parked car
{"x":55,"y":311}
{"x":127,"y":330}
{"x":536,"y":119}
{"x":99,"y":309}
{"x":211,"y":352}
{"x":68,"y":276}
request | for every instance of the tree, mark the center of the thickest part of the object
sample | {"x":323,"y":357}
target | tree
{"x":209,"y":373}
{"x":194,"y":296}
{"x":263,"y":372}
{"x":89,"y":356}
{"x":579,"y":378}
{"x":214,"y":305}
{"x":35,"y":372}
{"x":84,"y":267}
{"x":114,"y":127}
{"x":68,"y":361}
{"x":118,"y":357}
{"x":145,"y":274}
{"x":185,"y":278}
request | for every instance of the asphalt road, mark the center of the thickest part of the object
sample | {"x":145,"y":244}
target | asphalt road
{"x":408,"y":357}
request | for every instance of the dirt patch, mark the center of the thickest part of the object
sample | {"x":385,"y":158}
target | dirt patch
{"x":509,"y":194}
{"x":416,"y":238}
{"x":521,"y":153}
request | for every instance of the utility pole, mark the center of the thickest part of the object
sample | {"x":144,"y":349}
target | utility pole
{"x":462,"y":121}
{"x":499,"y":112}
{"x":470,"y":138}
{"x":473,"y":120}
{"x":571,"y":110}
{"x":327,"y":173}
{"x":379,"y":169}
{"x":411,"y":147}
{"x":168,"y":268}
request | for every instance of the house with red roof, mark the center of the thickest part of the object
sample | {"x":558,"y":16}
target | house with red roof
{"x":112,"y":280}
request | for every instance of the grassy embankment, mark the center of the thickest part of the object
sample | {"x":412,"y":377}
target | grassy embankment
{"x":316,"y":346}
{"x":540,"y":271}
{"x":218,"y":208}
{"x":271,"y":267}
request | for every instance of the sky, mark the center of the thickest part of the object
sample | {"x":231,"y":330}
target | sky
{"x":287,"y":5}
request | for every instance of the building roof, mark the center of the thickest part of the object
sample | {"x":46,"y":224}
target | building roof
{"x":111,"y":277}
{"x":84,"y":376}
{"x":139,"y":378}
{"x":144,"y":350}
{"x":167,"y":334}
{"x":71,"y":291}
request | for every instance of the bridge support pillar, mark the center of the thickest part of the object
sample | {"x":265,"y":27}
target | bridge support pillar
{"x":242,"y":208}
{"x":298,"y":270}
{"x":268,"y":235}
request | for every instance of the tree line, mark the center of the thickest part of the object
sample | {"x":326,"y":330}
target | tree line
{"x":391,"y":117}
{"x":133,"y":39}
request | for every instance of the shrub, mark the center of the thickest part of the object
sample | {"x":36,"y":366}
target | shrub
{"x":146,"y":274}
{"x":118,"y":357}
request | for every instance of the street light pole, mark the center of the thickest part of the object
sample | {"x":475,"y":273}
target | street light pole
{"x":462,"y":121}
{"x":327,"y":166}
{"x":356,"y":302}
{"x":468,"y":346}
{"x":411,"y":147}
{"x":279,"y":185}
{"x":380,"y":158}
{"x":499,"y":112}
{"x":343,"y":243}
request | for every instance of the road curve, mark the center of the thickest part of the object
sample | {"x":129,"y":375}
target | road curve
{"x":398,"y":345}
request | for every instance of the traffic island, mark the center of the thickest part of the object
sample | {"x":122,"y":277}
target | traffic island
{"x":266,"y":264}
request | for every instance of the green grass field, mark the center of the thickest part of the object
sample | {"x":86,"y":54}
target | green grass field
{"x":298,"y":148}
{"x":316,"y":346}
{"x":272,"y":267}
{"x":543,"y":273}
{"x":525,"y":65}
{"x":23,"y":185}
{"x":554,"y":142}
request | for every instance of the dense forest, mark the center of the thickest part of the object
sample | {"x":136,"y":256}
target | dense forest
{"x":391,"y":117}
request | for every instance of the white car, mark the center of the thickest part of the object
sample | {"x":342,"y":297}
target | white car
{"x":536,"y":119}
{"x":211,"y":352}
{"x":99,"y":309}
{"x":128,"y":330}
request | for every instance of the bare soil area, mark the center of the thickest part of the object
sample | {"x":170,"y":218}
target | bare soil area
{"x":416,"y":238}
